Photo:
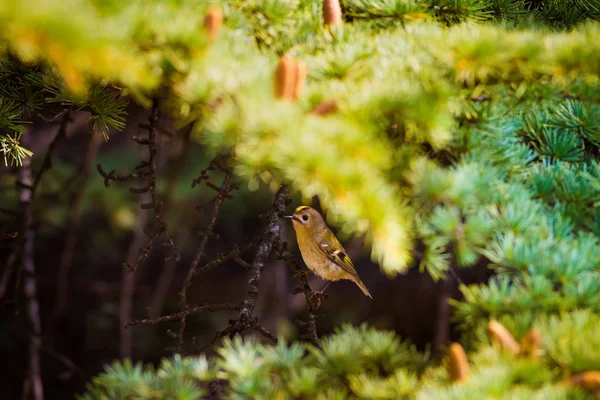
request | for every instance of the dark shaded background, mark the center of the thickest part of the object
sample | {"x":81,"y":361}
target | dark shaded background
{"x":86,"y":336}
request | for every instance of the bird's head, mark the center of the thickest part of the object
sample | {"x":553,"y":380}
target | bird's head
{"x":307,"y":219}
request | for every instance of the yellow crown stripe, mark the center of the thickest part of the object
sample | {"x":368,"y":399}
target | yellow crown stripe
{"x":301,"y":208}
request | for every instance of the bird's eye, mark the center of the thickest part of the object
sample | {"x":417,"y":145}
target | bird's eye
{"x":305,"y":217}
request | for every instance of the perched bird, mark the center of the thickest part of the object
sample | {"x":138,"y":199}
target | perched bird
{"x":321,"y":251}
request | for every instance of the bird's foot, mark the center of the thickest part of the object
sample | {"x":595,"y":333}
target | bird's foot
{"x":319,"y":295}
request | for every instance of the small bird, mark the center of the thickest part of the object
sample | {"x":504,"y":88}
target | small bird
{"x":321,"y":251}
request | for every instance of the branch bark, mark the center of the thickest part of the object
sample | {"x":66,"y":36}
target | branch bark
{"x":146,"y":169}
{"x":186,"y":313}
{"x":34,"y":379}
{"x":269,"y":240}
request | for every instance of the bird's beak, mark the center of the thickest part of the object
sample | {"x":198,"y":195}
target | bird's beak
{"x":292,"y":217}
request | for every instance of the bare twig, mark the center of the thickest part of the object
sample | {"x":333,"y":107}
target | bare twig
{"x":218,"y":201}
{"x":146,"y":169}
{"x":312,"y":300}
{"x":128,"y":286}
{"x":236,"y":252}
{"x":264,"y":331}
{"x":55,"y":117}
{"x":267,"y":244}
{"x":47,"y":162}
{"x":165,"y":278}
{"x":185,"y":313}
{"x":270,"y":241}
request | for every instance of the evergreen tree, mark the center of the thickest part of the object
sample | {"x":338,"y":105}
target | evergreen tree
{"x":471,"y":127}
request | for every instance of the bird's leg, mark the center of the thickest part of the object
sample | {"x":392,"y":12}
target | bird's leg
{"x":322,"y":291}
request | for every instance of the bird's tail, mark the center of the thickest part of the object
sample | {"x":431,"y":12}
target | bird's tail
{"x":363,"y":287}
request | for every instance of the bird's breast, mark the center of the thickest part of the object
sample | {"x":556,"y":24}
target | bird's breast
{"x":317,"y":261}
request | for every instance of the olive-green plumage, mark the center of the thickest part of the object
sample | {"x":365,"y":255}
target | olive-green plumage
{"x":321,"y":251}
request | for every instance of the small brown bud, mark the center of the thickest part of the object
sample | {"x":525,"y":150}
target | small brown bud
{"x":332,"y":12}
{"x":213,"y":22}
{"x":458,"y":364}
{"x":325,"y":107}
{"x":503,"y":336}
{"x":530,"y":344}
{"x":301,"y":73}
{"x":589,"y":381}
{"x":285,"y":78}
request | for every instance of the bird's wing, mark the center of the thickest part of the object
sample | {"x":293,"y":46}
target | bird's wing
{"x":336,"y":253}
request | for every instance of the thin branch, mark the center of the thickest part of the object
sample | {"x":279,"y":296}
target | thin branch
{"x":242,"y":263}
{"x":146,"y":169}
{"x":313,"y":300}
{"x":53,"y":118}
{"x":264,"y":331}
{"x":165,"y":278}
{"x":128,"y":286}
{"x":186,"y":313}
{"x":152,"y":186}
{"x":112,"y":176}
{"x":267,"y":244}
{"x":47,"y":162}
{"x":223,"y":190}
{"x":236,"y":252}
